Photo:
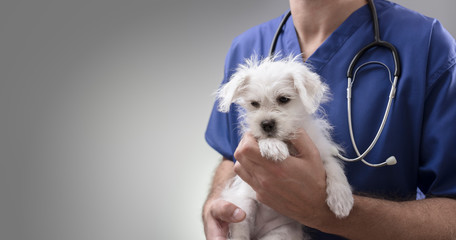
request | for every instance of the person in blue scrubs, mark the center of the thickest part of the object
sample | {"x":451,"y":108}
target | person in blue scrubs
{"x":420,"y":131}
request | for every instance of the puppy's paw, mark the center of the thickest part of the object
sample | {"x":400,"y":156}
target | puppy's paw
{"x":273,"y":149}
{"x":340,"y":199}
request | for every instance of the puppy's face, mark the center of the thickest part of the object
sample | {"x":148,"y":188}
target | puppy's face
{"x":276,"y":95}
{"x":272,"y":103}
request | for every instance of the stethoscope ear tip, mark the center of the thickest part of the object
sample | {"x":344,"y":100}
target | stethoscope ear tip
{"x":391,"y":161}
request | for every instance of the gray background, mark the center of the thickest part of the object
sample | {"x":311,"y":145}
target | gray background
{"x":103,"y":107}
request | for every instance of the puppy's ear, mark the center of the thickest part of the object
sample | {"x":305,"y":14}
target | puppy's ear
{"x":312,"y":91}
{"x":230,"y":92}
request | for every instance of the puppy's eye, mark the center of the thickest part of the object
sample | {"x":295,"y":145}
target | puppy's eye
{"x":255,"y":104}
{"x":283,"y":100}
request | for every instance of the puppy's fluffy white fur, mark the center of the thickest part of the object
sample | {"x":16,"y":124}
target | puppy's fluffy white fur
{"x":278,"y":97}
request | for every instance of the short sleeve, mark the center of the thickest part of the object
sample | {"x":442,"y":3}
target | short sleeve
{"x":437,"y":172}
{"x":223,"y":131}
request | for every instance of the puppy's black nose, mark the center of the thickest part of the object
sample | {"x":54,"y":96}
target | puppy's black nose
{"x":268,"y":125}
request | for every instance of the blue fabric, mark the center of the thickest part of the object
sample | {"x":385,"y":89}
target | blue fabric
{"x":421,"y":129}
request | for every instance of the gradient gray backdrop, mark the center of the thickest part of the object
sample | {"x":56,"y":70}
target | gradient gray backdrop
{"x":103,"y":107}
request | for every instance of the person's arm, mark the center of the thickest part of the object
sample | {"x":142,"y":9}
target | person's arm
{"x":217,"y":213}
{"x":371,"y":218}
{"x":296,"y":188}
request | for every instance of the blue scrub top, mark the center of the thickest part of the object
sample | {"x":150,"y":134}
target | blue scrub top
{"x":421,"y":128}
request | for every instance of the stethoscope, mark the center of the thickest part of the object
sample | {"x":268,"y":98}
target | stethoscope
{"x":351,"y":75}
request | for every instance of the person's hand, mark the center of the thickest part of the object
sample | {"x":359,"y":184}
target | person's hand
{"x":295,"y":187}
{"x":217,"y":216}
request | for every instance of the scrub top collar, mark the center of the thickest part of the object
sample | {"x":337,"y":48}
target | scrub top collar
{"x":289,"y":44}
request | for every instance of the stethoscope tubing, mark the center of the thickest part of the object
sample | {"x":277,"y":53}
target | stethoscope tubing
{"x":277,"y":33}
{"x":376,"y":43}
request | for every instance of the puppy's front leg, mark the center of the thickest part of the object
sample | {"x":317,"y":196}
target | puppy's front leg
{"x":273,"y":149}
{"x":340,"y":197}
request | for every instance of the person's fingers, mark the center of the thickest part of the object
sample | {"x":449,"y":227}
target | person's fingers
{"x":247,"y":151}
{"x":244,"y":174}
{"x":247,"y":155}
{"x":215,"y":229}
{"x":227,"y":212}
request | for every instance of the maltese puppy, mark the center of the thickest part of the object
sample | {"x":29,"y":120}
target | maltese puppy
{"x":278,"y":97}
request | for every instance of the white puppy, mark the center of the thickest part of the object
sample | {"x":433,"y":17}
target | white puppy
{"x":278,"y":97}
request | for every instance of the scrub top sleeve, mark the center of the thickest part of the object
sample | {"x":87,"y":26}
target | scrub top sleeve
{"x":438,"y":145}
{"x":438,"y":163}
{"x":223,"y":132}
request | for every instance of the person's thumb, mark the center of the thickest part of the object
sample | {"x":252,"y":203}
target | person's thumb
{"x":227,"y":212}
{"x":303,"y":144}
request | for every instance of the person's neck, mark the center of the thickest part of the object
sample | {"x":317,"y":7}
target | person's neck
{"x":315,"y":20}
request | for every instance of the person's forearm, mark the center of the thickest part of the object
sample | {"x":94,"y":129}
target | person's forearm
{"x":371,"y":218}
